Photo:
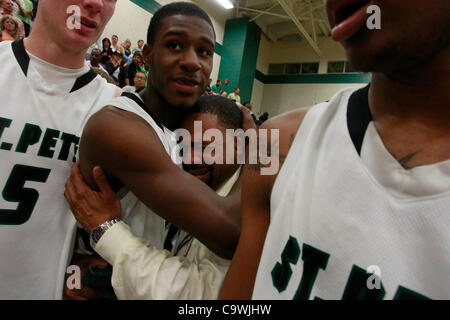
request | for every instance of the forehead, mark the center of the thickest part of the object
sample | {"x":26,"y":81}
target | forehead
{"x":209,"y":121}
{"x":191,"y":25}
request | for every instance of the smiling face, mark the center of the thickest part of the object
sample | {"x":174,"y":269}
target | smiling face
{"x":181,"y":59}
{"x":58,"y":18}
{"x":412,"y":32}
{"x":214,"y":174}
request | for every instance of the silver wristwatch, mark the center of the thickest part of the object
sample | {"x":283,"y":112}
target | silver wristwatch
{"x":98,"y":232}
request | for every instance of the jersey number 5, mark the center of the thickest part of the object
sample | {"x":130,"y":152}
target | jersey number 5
{"x":15,"y":191}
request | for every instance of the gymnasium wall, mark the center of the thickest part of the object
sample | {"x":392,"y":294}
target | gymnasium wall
{"x":279,"y":94}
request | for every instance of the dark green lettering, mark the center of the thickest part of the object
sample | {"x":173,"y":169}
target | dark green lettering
{"x":6,"y":146}
{"x":68,"y":140}
{"x":48,"y":142}
{"x":313,"y":260}
{"x":357,"y":288}
{"x":407,"y":294}
{"x":30,"y":135}
{"x":4,"y":123}
{"x":282,"y":272}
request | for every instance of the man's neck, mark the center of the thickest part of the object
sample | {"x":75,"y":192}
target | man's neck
{"x":411,"y":112}
{"x":41,"y":46}
{"x":227,"y":174}
{"x":169,"y":116}
{"x":418,"y":92}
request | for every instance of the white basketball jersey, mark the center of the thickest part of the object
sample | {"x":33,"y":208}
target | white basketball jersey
{"x":142,"y":220}
{"x":348,"y":221}
{"x":43,"y":109}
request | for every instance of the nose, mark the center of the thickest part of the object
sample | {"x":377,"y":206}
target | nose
{"x":190,"y":61}
{"x":94,"y":5}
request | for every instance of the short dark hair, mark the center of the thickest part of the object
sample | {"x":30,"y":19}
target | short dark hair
{"x":140,"y":71}
{"x":183,"y":8}
{"x":117,"y":53}
{"x":226,"y":110}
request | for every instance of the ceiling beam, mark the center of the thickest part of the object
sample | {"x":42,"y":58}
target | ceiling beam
{"x":262,"y":13}
{"x":300,"y":27}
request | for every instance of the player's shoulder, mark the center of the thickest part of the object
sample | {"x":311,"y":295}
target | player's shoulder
{"x":290,"y":120}
{"x":287,"y":125}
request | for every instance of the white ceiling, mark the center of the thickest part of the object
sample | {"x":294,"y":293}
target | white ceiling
{"x":288,"y":19}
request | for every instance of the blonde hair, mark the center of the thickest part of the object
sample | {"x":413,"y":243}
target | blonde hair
{"x":16,"y":32}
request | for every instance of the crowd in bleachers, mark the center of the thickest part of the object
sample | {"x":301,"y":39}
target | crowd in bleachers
{"x":118,"y":63}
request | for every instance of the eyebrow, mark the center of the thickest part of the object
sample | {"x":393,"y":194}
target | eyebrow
{"x":183,"y":33}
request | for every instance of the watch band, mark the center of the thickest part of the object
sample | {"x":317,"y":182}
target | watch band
{"x":98,"y":232}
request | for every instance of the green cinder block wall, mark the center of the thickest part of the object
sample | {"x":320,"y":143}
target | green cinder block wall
{"x":239,"y":55}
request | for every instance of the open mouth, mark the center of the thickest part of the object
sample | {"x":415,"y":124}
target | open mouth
{"x":349,"y":16}
{"x":202,"y":173}
{"x":88,"y":23}
{"x":186,"y":85}
{"x":186,"y":81}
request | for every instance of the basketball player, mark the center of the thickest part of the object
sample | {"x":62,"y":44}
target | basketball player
{"x":180,"y":52}
{"x":141,"y":271}
{"x":47,"y":95}
{"x":359,"y":210}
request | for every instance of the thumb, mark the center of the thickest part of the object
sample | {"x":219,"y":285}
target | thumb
{"x":100,"y":180}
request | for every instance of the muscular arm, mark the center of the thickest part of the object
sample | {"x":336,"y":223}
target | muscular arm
{"x":256,"y":192}
{"x":128,"y":149}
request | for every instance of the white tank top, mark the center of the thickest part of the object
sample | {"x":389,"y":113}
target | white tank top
{"x":43,"y":109}
{"x":348,"y":221}
{"x":142,"y":220}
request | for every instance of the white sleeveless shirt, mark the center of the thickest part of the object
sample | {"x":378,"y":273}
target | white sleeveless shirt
{"x":43,"y":109}
{"x":348,"y":221}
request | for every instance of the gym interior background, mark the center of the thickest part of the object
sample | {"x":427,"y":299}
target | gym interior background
{"x":279,"y":52}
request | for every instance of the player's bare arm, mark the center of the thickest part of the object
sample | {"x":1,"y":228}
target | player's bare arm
{"x":128,"y":149}
{"x":256,"y":192}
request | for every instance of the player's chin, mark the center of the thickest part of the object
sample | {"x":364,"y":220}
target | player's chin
{"x":184,"y":101}
{"x":365,"y":51}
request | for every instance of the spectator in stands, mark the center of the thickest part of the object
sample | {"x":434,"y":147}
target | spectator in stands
{"x":35,"y":5}
{"x":8,"y":8}
{"x":126,"y":45}
{"x":140,"y":46}
{"x":140,"y":81}
{"x":226,"y":85}
{"x":25,"y":14}
{"x":217,"y":87}
{"x":133,"y":68}
{"x":224,"y":94}
{"x":115,"y":46}
{"x":95,"y":58}
{"x":235,"y":95}
{"x":208,"y":88}
{"x":264,"y":117}
{"x":9,"y":29}
{"x":113,"y":65}
{"x":249,"y":107}
{"x":107,"y":51}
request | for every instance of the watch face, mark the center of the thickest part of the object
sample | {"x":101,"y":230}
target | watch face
{"x":97,"y":233}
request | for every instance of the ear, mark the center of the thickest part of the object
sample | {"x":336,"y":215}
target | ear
{"x":147,"y":53}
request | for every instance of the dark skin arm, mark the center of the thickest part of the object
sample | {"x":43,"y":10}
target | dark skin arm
{"x":134,"y":155}
{"x":256,"y":192}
